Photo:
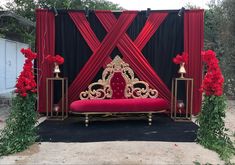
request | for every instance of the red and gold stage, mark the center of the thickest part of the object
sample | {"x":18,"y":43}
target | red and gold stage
{"x":146,"y":42}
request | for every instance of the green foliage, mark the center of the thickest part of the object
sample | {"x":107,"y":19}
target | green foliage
{"x":26,"y":8}
{"x":219,"y":35}
{"x":228,"y":6}
{"x":10,"y":28}
{"x":20,"y":130}
{"x":228,"y":44}
{"x":101,"y":5}
{"x":198,"y":163}
{"x":79,"y":4}
{"x":213,"y":22}
{"x":211,"y":132}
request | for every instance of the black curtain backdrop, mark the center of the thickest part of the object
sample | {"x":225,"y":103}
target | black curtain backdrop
{"x":167,"y":41}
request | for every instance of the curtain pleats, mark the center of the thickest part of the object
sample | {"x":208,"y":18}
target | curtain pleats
{"x":100,"y":55}
{"x":45,"y":44}
{"x":132,"y":53}
{"x":83,"y":25}
{"x":193,"y":45}
{"x":131,"y":49}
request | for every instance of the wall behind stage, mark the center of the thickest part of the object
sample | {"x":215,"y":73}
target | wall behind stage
{"x":167,"y":41}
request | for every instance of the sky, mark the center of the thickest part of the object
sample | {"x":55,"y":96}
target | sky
{"x":152,"y":4}
{"x":159,"y":4}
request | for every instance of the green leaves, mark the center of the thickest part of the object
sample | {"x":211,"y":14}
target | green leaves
{"x":20,"y":131}
{"x":219,"y":32}
{"x":211,"y":133}
{"x":26,"y":9}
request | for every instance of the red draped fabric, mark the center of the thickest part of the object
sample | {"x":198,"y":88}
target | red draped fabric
{"x":117,"y":37}
{"x":45,"y":44}
{"x":129,"y":49}
{"x":193,"y":45}
{"x":84,"y":27}
{"x":100,"y":52}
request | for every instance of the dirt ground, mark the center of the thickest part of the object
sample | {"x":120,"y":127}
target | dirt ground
{"x":119,"y":152}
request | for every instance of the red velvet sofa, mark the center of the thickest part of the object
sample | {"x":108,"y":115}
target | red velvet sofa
{"x":119,"y":92}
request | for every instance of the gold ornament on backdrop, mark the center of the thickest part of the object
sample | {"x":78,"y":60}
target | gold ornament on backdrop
{"x":134,"y":87}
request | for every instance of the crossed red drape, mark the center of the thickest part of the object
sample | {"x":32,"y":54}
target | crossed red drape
{"x":99,"y":55}
{"x":129,"y":49}
{"x":193,"y":45}
{"x":45,"y":44}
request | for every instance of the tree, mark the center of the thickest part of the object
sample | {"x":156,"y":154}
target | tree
{"x":228,"y":43}
{"x":26,"y":8}
{"x":213,"y":20}
{"x":220,"y":37}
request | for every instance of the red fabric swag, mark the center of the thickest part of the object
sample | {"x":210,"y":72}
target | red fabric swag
{"x":193,"y":45}
{"x":45,"y":44}
{"x":100,"y":54}
{"x":129,"y":50}
{"x":133,"y":55}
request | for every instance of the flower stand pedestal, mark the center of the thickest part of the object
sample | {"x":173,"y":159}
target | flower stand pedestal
{"x":181,"y":109}
{"x":56,"y":111}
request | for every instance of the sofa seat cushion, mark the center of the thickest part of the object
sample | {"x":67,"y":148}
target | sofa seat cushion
{"x":120,"y":105}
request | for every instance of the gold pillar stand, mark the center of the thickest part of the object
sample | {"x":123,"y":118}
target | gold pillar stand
{"x":189,"y":99}
{"x":53,"y":111}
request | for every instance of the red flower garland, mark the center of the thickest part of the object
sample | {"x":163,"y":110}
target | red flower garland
{"x":25,"y":82}
{"x":55,"y":59}
{"x":181,"y":58}
{"x":213,"y":81}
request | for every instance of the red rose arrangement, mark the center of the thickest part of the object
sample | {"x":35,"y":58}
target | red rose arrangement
{"x":212,"y":83}
{"x":25,"y":82}
{"x":55,"y":59}
{"x":179,"y":59}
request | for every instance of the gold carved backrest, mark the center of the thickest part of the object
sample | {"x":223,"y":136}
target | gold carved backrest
{"x":134,"y":88}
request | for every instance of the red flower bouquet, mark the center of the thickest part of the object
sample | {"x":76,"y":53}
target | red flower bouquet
{"x":182,"y":60}
{"x":55,"y":59}
{"x":213,"y":81}
{"x":179,"y":59}
{"x":25,"y":82}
